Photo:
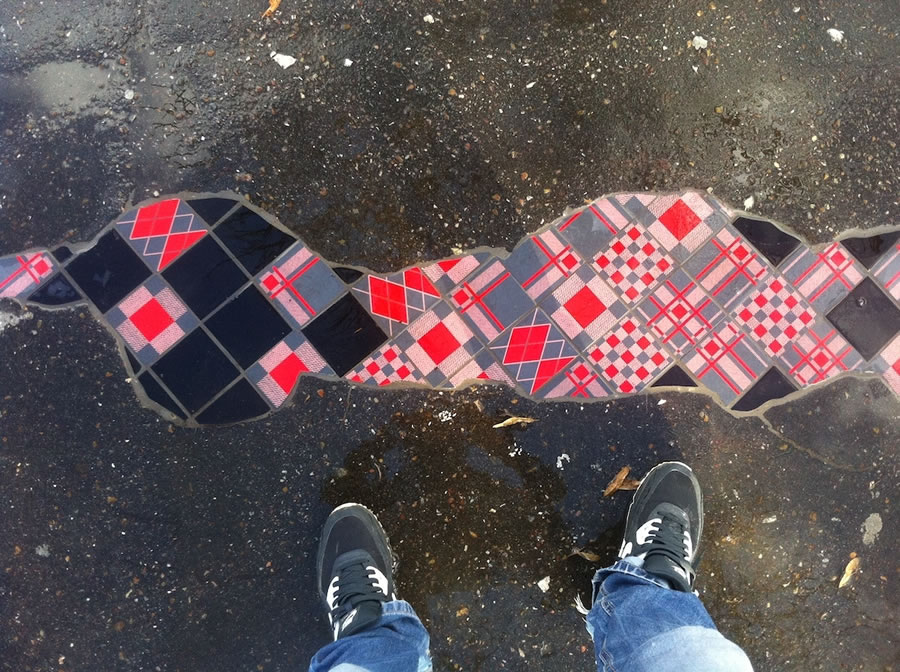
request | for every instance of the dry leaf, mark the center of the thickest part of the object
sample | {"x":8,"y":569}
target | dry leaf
{"x":616,"y":483}
{"x":851,"y":569}
{"x":586,"y":554}
{"x":630,"y":484}
{"x":273,"y":5}
{"x":515,"y":420}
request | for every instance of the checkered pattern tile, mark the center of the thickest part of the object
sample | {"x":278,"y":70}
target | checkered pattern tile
{"x":683,"y":223}
{"x":482,"y":367}
{"x":541,"y":262}
{"x":727,"y":361}
{"x":151,"y":320}
{"x":388,"y":365}
{"x":161,"y":232}
{"x":680,"y":312}
{"x":449,"y":272}
{"x":533,"y":351}
{"x":634,"y":264}
{"x":438,"y":344}
{"x":22,"y":274}
{"x":277,"y":372}
{"x":584,"y":307}
{"x":819,"y":353}
{"x":726,"y":267}
{"x":396,"y":300}
{"x":823,"y":278}
{"x":887,"y":271}
{"x":578,"y":381}
{"x":774,"y":314}
{"x":629,"y":358}
{"x":300,"y":284}
{"x":490,"y":301}
{"x":888,"y":364}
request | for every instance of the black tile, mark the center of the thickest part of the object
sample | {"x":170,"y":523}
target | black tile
{"x":58,"y":291}
{"x":344,"y":334}
{"x":62,"y":254}
{"x":211,"y":210}
{"x":156,"y":393}
{"x":867,"y":317}
{"x":675,"y":377}
{"x":248,"y":326}
{"x":772,"y":385}
{"x":241,"y":402}
{"x":132,"y":361}
{"x":204,"y":276}
{"x":108,"y":271}
{"x":252,"y":240}
{"x":869,"y":250}
{"x":195,"y":370}
{"x":348,"y":275}
{"x":774,"y":243}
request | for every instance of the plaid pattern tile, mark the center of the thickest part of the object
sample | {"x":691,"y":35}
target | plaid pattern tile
{"x":491,"y":300}
{"x":541,"y":261}
{"x":388,"y":365}
{"x":679,"y":312}
{"x":683,"y":223}
{"x":634,"y":264}
{"x":482,"y":367}
{"x":151,"y":320}
{"x":774,"y":314}
{"x":726,"y":267}
{"x":438,"y":344}
{"x":590,"y":229}
{"x":629,"y":358}
{"x":277,"y":372}
{"x":727,"y":361}
{"x":449,"y":272}
{"x":161,"y":232}
{"x":823,"y":278}
{"x":887,"y":363}
{"x":398,"y":299}
{"x":300,"y":284}
{"x":578,"y":381}
{"x":887,"y":271}
{"x":22,"y":274}
{"x":533,"y":351}
{"x":584,"y":307}
{"x":818,"y":353}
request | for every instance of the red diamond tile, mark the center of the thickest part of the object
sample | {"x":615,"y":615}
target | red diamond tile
{"x":439,"y":343}
{"x":680,"y":220}
{"x":286,"y":373}
{"x":526,"y":344}
{"x":151,"y":319}
{"x":155,"y":220}
{"x":388,"y":299}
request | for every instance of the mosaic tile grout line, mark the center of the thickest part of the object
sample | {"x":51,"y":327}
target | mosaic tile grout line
{"x":682,"y":224}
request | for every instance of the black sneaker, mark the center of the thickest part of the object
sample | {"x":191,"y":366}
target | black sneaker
{"x":354,"y":568}
{"x":664,"y":524}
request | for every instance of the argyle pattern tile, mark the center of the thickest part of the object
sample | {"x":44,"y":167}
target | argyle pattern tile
{"x":300,"y":284}
{"x":276,"y":373}
{"x":396,"y":300}
{"x":161,"y":232}
{"x":533,"y":351}
{"x":633,"y":291}
{"x":388,"y":365}
{"x":22,"y":274}
{"x":629,"y":357}
{"x":151,"y":320}
{"x":633,"y":264}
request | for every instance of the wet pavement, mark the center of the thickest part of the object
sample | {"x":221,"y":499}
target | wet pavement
{"x":130,"y":543}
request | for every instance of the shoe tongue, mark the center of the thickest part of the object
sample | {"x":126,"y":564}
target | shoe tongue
{"x":362,"y":617}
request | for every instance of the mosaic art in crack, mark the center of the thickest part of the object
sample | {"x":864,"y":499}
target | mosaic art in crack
{"x":219,"y":310}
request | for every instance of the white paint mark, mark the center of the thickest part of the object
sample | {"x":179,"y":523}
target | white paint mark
{"x":699,"y":42}
{"x":11,"y":319}
{"x":871,"y":528}
{"x":562,"y":459}
{"x":544,"y":584}
{"x":836,"y":35}
{"x":283,"y":60}
{"x":748,"y":202}
{"x":428,"y":18}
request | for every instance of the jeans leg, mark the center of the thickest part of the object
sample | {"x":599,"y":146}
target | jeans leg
{"x":639,"y":624}
{"x":398,"y":643}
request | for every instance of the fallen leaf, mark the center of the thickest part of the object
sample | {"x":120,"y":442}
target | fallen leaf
{"x":630,"y":484}
{"x":464,"y":611}
{"x":515,"y":420}
{"x":851,"y":569}
{"x":617,"y":482}
{"x":273,"y":5}
{"x":590,"y":556}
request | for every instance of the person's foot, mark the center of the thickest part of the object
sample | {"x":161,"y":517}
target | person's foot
{"x":664,"y":524}
{"x":354,"y":567}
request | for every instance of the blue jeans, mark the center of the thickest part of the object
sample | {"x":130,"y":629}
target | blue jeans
{"x":637,"y":623}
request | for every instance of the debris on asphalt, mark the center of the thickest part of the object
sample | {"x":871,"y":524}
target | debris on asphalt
{"x":590,"y":556}
{"x":428,"y":18}
{"x":836,"y":35}
{"x":515,"y":420}
{"x":699,"y":42}
{"x":871,"y":528}
{"x":849,"y":571}
{"x":621,"y":482}
{"x":544,"y":584}
{"x":273,"y":5}
{"x":283,"y":60}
